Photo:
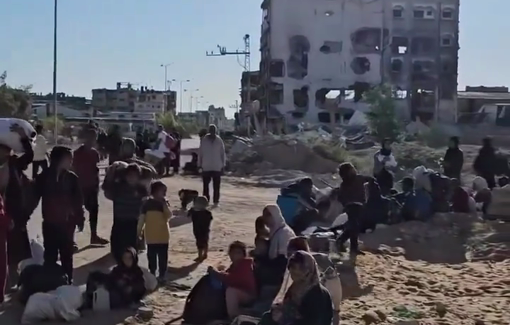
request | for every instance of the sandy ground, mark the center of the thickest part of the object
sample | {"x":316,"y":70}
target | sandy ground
{"x":409,"y":272}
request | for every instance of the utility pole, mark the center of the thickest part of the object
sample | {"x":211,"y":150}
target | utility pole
{"x":222,"y":51}
{"x":55,"y":113}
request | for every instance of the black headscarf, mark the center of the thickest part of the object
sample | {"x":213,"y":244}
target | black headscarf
{"x":385,"y":151}
{"x":58,"y":153}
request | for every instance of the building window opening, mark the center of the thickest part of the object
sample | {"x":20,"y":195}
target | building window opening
{"x":396,"y":65}
{"x":446,"y":41}
{"x":276,"y":95}
{"x":277,"y":68}
{"x":398,"y":12}
{"x":300,"y":97}
{"x":447,"y":13}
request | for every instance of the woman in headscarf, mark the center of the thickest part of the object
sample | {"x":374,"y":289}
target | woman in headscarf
{"x":306,"y":301}
{"x":126,"y":282}
{"x":483,"y":194}
{"x":377,"y":207}
{"x":273,"y":266}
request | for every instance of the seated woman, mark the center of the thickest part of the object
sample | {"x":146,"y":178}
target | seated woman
{"x":301,"y":244}
{"x":306,"y":301}
{"x":238,"y":279}
{"x":303,"y":190}
{"x":461,"y":201}
{"x":482,"y":195}
{"x":377,"y":207}
{"x":192,"y":166}
{"x":271,"y":268}
{"x":126,"y":283}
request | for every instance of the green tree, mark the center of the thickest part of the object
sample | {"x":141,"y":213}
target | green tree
{"x":13,"y":101}
{"x":382,"y":117}
{"x":171,"y":123}
{"x":49,"y":124}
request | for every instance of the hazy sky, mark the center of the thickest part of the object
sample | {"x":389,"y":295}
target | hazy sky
{"x":101,"y":42}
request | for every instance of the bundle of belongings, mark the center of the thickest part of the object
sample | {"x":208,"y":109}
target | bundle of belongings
{"x":435,"y":184}
{"x":163,"y":149}
{"x":12,"y":139}
{"x":116,"y":171}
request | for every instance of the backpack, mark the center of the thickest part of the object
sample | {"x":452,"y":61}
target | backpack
{"x":205,"y":303}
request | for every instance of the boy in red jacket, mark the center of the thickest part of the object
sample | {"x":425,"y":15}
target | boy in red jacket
{"x":239,"y":279}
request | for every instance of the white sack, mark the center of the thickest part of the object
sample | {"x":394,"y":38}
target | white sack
{"x":150,"y":280}
{"x":69,"y":300}
{"x":12,"y":139}
{"x":39,"y":308}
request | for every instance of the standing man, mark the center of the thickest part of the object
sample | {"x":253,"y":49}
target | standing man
{"x":486,"y":162}
{"x":212,"y":161}
{"x":85,"y":161}
{"x":453,"y":159}
{"x":40,"y":152}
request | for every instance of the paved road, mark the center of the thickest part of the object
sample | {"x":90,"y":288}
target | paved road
{"x":34,"y":225}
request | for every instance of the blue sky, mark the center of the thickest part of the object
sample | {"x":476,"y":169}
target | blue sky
{"x":101,"y":42}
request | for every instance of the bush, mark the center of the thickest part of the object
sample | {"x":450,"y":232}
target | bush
{"x":382,"y":117}
{"x":49,"y":124}
{"x":13,"y":101}
{"x":171,"y":123}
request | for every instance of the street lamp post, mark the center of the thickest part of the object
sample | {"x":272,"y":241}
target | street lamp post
{"x":191,"y":91}
{"x":197,"y":100}
{"x":55,"y":116}
{"x":180,"y":92}
{"x":166,"y":74}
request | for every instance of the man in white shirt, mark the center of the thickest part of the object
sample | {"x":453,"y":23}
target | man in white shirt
{"x":40,"y":152}
{"x":212,"y":161}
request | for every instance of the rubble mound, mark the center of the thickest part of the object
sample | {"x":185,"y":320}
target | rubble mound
{"x":450,"y":238}
{"x":246,"y":157}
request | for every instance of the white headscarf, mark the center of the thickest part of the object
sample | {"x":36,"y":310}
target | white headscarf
{"x":480,"y":183}
{"x":279,"y":233}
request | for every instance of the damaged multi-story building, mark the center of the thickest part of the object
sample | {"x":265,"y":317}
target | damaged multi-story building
{"x":319,"y":56}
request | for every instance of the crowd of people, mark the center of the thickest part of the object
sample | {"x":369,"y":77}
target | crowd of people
{"x":141,"y":214}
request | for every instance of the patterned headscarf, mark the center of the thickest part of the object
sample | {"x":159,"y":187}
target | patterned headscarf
{"x":298,"y":289}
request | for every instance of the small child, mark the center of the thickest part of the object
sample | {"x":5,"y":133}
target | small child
{"x":201,"y":219}
{"x":127,"y":196}
{"x":155,"y":214}
{"x":261,"y":238}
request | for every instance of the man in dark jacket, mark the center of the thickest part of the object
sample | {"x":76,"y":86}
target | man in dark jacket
{"x":62,"y":208}
{"x":85,"y":161}
{"x":485,"y":162}
{"x":453,"y":159}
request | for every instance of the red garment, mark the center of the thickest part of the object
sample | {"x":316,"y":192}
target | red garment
{"x":240,"y":276}
{"x":85,"y":162}
{"x":460,"y":200}
{"x":4,"y":228}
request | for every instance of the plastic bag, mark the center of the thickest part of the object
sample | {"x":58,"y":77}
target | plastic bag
{"x":69,"y":300}
{"x":12,"y":139}
{"x":37,"y":250}
{"x":40,"y":307}
{"x":150,"y":280}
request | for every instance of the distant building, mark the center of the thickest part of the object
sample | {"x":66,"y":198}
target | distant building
{"x":313,"y":51}
{"x":41,"y":111}
{"x":127,"y":98}
{"x":70,"y":101}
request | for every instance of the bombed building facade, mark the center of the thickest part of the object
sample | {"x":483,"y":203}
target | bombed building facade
{"x":319,"y":56}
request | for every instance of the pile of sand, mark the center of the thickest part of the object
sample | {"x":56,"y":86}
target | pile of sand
{"x":269,"y":153}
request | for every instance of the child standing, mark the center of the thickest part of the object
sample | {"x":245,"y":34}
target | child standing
{"x":201,"y":219}
{"x":154,"y":218}
{"x":127,"y":196}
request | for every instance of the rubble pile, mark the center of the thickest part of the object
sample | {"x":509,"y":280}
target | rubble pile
{"x":303,"y":151}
